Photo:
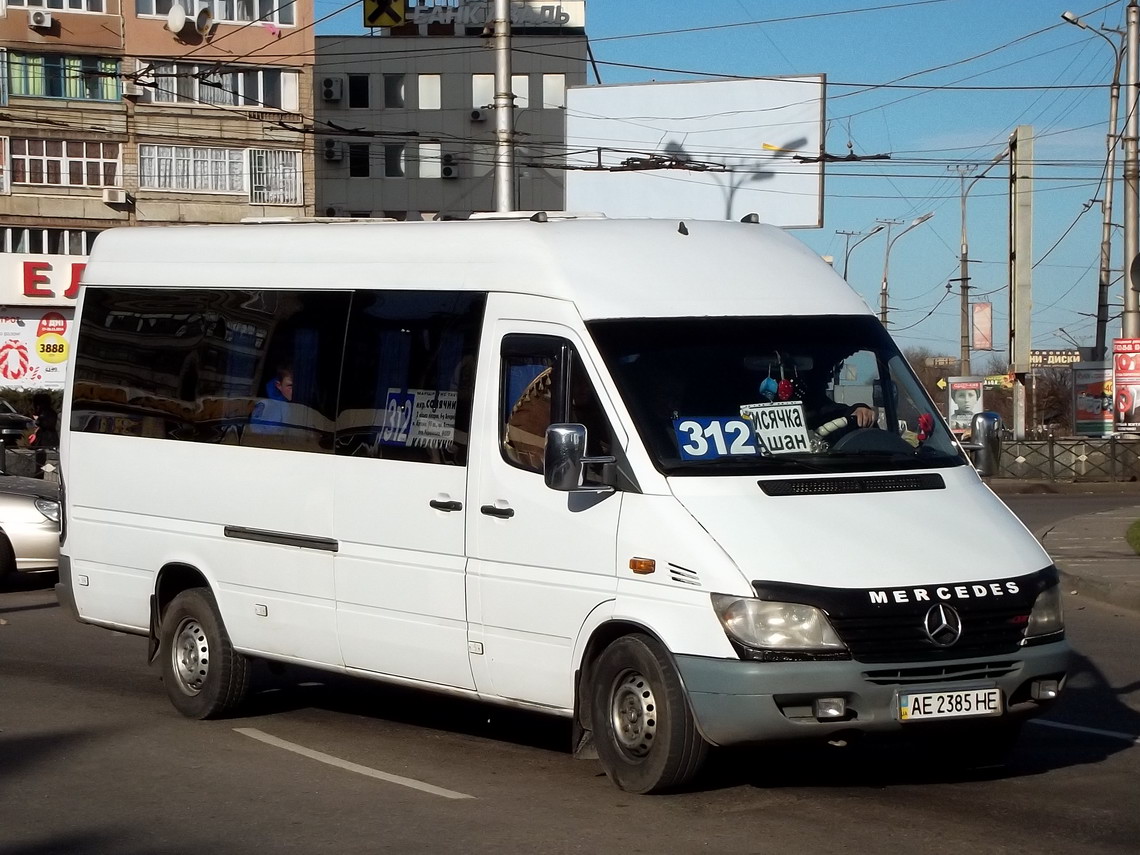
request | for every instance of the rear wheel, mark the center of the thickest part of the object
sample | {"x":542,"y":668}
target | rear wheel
{"x":644,"y":730}
{"x":203,"y":675}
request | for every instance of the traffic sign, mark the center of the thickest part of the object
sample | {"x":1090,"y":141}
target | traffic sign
{"x":385,"y":13}
{"x":941,"y":384}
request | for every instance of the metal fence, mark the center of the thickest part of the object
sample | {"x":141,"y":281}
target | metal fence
{"x":1072,"y":459}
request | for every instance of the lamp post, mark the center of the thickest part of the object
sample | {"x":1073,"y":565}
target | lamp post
{"x":884,"y":291}
{"x":1112,"y":139}
{"x":849,"y":248}
{"x":964,"y":259}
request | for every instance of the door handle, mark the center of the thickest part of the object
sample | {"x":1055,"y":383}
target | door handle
{"x":492,"y":511}
{"x":446,"y":506}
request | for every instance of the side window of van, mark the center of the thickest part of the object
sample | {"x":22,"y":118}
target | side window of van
{"x":409,"y":375}
{"x":542,"y":383}
{"x":198,"y":365}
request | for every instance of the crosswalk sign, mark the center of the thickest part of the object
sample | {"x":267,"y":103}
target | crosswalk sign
{"x":385,"y":13}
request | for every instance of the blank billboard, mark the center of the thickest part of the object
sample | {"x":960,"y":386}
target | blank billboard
{"x":711,"y":149}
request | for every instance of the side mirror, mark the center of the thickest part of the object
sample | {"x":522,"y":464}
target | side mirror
{"x":565,"y":459}
{"x":985,"y":436}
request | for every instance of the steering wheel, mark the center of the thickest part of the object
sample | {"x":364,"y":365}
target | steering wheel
{"x":842,"y":423}
{"x":872,"y":440}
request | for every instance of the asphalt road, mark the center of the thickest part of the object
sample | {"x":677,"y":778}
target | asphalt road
{"x":93,"y":759}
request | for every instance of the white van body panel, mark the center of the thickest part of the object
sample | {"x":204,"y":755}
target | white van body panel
{"x":605,"y":269}
{"x":872,"y":540}
{"x":137,"y":526}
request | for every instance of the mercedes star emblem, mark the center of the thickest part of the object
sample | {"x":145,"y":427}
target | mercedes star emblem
{"x":943,"y":625}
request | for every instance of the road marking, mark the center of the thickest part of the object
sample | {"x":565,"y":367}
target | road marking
{"x":1135,"y":740}
{"x":253,"y":733}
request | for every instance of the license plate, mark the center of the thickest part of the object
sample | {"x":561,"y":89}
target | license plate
{"x":964,"y":703}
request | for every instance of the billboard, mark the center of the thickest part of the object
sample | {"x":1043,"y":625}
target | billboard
{"x":1126,"y":383}
{"x":965,"y":401}
{"x":712,"y":149}
{"x":34,"y":347}
{"x":1092,"y":398}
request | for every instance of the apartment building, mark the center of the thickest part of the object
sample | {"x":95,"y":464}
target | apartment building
{"x":137,"y":112}
{"x":404,"y":121}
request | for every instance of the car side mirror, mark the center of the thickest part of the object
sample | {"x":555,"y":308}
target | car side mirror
{"x":565,"y":459}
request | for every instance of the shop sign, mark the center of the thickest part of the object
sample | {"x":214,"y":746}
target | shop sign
{"x":34,"y":348}
{"x":480,"y":14}
{"x":40,"y":280}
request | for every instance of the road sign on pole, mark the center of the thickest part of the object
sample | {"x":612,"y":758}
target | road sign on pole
{"x":384,"y":13}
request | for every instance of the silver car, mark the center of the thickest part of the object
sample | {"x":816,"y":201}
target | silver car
{"x":29,"y":525}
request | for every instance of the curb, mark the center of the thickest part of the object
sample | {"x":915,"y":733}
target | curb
{"x":1097,"y":588}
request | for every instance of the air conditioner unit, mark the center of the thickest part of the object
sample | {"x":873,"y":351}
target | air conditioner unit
{"x":39,"y":19}
{"x":478,"y":115}
{"x":336,"y":211}
{"x":331,"y":88}
{"x":448,"y":167}
{"x":115,"y":196}
{"x":333,"y":150}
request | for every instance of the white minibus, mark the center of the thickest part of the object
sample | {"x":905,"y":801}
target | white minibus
{"x":671,"y":480}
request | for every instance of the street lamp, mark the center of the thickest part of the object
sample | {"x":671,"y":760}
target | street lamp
{"x":1110,"y":181}
{"x":883,"y":292}
{"x":964,"y":259}
{"x":849,"y":248}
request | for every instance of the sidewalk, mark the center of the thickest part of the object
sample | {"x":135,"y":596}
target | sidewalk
{"x":1094,"y":558}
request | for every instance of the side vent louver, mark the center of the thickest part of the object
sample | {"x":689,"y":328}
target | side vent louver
{"x":684,"y":575}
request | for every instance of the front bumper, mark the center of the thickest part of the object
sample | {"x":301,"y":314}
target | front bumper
{"x":736,"y":702}
{"x":63,"y":590}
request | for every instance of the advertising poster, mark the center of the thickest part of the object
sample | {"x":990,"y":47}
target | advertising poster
{"x":1092,"y":398}
{"x":1126,"y":383}
{"x":965,"y":401}
{"x":33,"y":347}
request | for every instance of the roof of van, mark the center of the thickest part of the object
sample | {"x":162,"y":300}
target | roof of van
{"x":607,"y":268}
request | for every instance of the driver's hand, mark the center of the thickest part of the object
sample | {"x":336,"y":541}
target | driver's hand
{"x":864,"y":416}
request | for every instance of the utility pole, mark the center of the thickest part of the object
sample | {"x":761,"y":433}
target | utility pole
{"x":964,"y":259}
{"x":504,"y":111}
{"x":884,"y":292}
{"x":848,"y":248}
{"x":1131,"y":319}
{"x":1112,"y":139}
{"x":964,"y":274}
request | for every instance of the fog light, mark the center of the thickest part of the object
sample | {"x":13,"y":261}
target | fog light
{"x":1045,"y":690}
{"x":829,"y":707}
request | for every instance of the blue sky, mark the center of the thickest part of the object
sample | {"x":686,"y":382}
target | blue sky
{"x":1023,"y":65}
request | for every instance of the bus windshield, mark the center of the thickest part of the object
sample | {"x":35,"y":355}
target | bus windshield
{"x":773,"y":395}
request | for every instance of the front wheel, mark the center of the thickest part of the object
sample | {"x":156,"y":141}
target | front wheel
{"x":203,"y":675}
{"x":644,"y":730}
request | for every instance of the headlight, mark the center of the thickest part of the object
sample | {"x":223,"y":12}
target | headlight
{"x":775,"y":626}
{"x":1047,"y":616}
{"x":49,"y":508}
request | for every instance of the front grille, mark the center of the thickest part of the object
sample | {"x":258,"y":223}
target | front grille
{"x":940,"y":673}
{"x":858,"y":484}
{"x":886,"y":637}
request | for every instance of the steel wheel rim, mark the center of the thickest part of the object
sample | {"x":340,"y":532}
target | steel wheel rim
{"x":190,"y":656}
{"x":633,"y":714}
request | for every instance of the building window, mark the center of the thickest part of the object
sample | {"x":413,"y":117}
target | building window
{"x":275,"y":177}
{"x":394,"y":160}
{"x":482,"y":90}
{"x":66,"y":163}
{"x":187,"y":82}
{"x":553,"y":91}
{"x":358,"y":154}
{"x":89,"y":78}
{"x":201,"y":170}
{"x":430,"y":159}
{"x":46,"y":241}
{"x":429,"y":92}
{"x":393,"y":90}
{"x":224,"y":11}
{"x":69,"y":5}
{"x":520,"y":86}
{"x":358,"y":90}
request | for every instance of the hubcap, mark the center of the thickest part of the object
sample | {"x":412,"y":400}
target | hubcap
{"x":633,"y":712}
{"x":190,"y":656}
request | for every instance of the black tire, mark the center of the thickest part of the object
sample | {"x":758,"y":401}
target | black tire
{"x":203,"y":675}
{"x":646,"y":736}
{"x":7,"y":561}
